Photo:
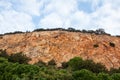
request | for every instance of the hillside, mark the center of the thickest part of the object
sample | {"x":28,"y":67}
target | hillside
{"x":63,"y":45}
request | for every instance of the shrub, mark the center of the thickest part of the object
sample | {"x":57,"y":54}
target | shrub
{"x":94,"y":67}
{"x":104,"y":76}
{"x":78,"y":64}
{"x":64,"y":65}
{"x":116,"y":76}
{"x":113,"y":70}
{"x":84,"y":75}
{"x":100,"y":31}
{"x":75,"y":63}
{"x":4,"y":54}
{"x":18,"y":57}
{"x":112,"y":44}
{"x":52,"y":62}
{"x":96,"y":45}
{"x":40,"y":64}
{"x":71,"y":29}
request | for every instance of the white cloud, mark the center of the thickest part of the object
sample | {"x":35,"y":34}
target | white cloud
{"x":51,"y":21}
{"x":59,"y":13}
{"x":105,"y":15}
{"x":108,"y":18}
{"x":80,"y":19}
{"x":31,"y":7}
{"x":14,"y":21}
{"x":61,"y":7}
{"x":5,"y":5}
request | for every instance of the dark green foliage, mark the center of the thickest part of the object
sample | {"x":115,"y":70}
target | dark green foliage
{"x":16,"y":32}
{"x":116,"y":76}
{"x":18,"y":57}
{"x":3,"y":60}
{"x":15,"y":57}
{"x":104,"y":76}
{"x":98,"y":67}
{"x":36,"y":30}
{"x":14,"y":71}
{"x":70,"y":29}
{"x":52,"y":62}
{"x":112,"y":44}
{"x":99,"y":31}
{"x":75,"y":63}
{"x":78,"y":64}
{"x":64,"y":65}
{"x":4,"y":54}
{"x":84,"y":75}
{"x":94,"y":67}
{"x":85,"y":70}
{"x":113,"y":70}
{"x":40,"y":64}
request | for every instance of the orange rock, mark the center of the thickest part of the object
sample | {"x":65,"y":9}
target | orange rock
{"x":62,"y":46}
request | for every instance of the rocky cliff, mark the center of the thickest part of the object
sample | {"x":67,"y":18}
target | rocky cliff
{"x":63,"y":45}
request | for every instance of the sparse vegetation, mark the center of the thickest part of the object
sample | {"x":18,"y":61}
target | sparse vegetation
{"x":99,"y":31}
{"x":52,"y":62}
{"x":16,"y":32}
{"x":112,"y":44}
{"x":40,"y":63}
{"x":96,"y":45}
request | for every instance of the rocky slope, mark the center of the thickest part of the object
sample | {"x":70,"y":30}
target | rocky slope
{"x":62,"y":46}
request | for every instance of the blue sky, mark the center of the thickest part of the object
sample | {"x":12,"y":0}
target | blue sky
{"x":27,"y":15}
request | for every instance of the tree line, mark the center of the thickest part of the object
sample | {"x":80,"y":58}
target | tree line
{"x":99,"y":31}
{"x":15,"y":67}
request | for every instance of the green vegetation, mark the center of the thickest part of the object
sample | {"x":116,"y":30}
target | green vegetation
{"x":74,"y":69}
{"x":99,"y":31}
{"x":15,"y":57}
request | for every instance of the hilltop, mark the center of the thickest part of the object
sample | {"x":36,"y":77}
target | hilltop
{"x":62,"y":45}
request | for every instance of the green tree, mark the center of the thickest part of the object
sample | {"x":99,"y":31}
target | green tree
{"x":64,"y":65}
{"x":104,"y":76}
{"x":75,"y":63}
{"x":114,"y":70}
{"x":84,"y":75}
{"x":19,"y":57}
{"x":78,"y":64}
{"x":3,"y":60}
{"x":116,"y":76}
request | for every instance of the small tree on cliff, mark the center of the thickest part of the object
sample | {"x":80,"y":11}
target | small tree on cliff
{"x":100,"y":31}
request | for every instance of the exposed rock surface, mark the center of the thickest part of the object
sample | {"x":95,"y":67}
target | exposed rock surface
{"x":62,"y":46}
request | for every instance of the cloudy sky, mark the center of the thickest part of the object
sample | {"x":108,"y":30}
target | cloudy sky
{"x":27,"y":15}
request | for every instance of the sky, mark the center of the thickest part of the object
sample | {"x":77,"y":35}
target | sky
{"x":27,"y":15}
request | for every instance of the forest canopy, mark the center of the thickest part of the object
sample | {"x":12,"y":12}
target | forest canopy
{"x":75,"y":69}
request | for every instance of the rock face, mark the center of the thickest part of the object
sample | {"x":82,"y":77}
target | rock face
{"x":62,"y":46}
